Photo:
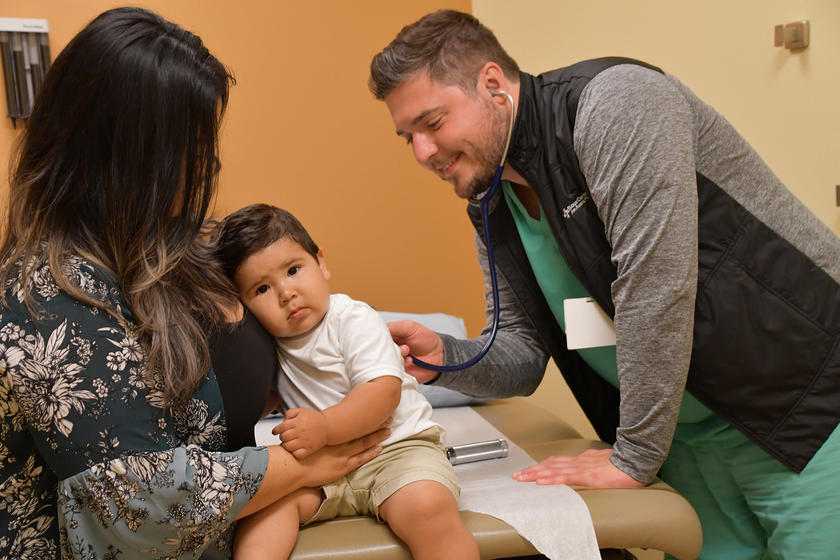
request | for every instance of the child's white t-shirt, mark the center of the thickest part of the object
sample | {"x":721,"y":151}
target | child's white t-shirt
{"x":350,"y":346}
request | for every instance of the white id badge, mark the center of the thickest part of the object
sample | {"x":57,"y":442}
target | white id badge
{"x":587,"y":326}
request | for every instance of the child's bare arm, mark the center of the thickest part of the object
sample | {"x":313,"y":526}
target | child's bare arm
{"x":364,"y":409}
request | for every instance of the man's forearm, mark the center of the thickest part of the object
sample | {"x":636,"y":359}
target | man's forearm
{"x":516,"y":362}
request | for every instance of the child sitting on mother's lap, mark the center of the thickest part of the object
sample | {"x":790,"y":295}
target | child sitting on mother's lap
{"x":342,"y":377}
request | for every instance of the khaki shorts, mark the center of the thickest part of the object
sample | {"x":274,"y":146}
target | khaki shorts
{"x":420,"y":457}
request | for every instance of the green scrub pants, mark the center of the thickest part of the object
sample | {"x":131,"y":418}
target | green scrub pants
{"x":752,"y":507}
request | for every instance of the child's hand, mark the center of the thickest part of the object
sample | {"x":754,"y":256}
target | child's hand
{"x":303,"y":431}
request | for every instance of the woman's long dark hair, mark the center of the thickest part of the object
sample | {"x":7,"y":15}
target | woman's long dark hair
{"x":118,"y":164}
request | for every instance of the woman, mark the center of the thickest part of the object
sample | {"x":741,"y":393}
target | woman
{"x":112,"y":420}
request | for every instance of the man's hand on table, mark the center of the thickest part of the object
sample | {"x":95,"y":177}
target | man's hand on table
{"x":590,"y":469}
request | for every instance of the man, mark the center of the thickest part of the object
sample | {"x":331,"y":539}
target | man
{"x":623,"y":187}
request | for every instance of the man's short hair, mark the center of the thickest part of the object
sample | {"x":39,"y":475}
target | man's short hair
{"x":451,"y":46}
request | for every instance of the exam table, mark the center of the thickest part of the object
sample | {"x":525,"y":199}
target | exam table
{"x":655,"y":517}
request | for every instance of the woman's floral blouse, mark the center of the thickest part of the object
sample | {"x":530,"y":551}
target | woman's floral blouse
{"x":91,"y":464}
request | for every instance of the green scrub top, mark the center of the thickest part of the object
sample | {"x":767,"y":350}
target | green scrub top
{"x":557,"y":283}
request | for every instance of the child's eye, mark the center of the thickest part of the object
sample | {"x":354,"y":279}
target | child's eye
{"x":294,"y":270}
{"x":435,"y":124}
{"x":262,"y":289}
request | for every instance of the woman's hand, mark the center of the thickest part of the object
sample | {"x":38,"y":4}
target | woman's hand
{"x":331,"y":462}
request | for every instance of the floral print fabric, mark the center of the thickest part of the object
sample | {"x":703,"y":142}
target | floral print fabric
{"x":92,"y":465}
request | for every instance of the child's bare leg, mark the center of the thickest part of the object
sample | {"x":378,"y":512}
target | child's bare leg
{"x":425,"y":515}
{"x":271,"y":533}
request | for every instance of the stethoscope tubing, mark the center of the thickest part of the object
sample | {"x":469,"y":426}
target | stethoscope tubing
{"x":484,"y":203}
{"x":491,"y":261}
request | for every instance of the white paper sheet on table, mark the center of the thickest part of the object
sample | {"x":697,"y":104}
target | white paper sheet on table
{"x":553,"y":518}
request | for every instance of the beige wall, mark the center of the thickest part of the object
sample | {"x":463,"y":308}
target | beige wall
{"x":303,"y":132}
{"x":785,"y":103}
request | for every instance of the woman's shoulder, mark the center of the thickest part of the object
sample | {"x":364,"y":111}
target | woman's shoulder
{"x":44,"y":291}
{"x":43,"y":306}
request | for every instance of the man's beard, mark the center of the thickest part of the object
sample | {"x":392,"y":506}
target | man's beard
{"x":488,"y":153}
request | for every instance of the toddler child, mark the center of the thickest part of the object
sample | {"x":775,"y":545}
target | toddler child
{"x":343,"y":377}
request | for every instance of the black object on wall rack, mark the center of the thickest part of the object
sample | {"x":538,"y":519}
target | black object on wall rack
{"x":25,"y":53}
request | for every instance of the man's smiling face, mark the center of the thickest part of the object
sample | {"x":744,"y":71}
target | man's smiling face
{"x":460,"y":137}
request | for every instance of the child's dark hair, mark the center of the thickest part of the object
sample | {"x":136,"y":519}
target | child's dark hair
{"x":252,"y":229}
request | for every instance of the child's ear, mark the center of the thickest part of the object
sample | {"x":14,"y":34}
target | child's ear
{"x":322,"y":263}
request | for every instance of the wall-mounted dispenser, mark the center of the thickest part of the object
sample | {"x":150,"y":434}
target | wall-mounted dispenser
{"x":794,"y":35}
{"x":25,"y":53}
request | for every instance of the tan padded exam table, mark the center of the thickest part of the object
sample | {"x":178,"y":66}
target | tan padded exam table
{"x":655,"y":517}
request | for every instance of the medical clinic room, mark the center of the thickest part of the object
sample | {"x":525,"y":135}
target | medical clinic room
{"x":563,"y":277}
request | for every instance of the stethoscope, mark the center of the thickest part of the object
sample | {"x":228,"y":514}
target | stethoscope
{"x":483,"y":202}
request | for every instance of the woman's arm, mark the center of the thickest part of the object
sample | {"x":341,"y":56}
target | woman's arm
{"x":284,"y":474}
{"x":178,"y":501}
{"x":173,"y":503}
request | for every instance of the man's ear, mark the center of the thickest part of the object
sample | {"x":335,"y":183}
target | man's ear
{"x":322,"y":264}
{"x":491,"y":77}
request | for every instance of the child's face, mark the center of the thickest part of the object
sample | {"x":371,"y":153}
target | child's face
{"x":285,"y":288}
